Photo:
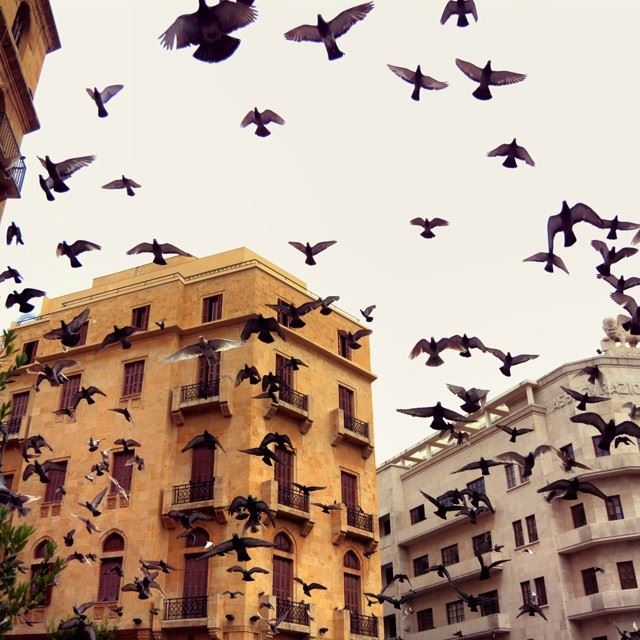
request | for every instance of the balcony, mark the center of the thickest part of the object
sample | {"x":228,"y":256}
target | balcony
{"x":294,"y":405}
{"x":606,"y":603}
{"x":186,"y":608}
{"x":597,"y":534}
{"x":363,"y":625}
{"x":15,"y":427}
{"x":199,"y":397}
{"x":297,"y":614}
{"x":472,"y":628}
{"x":349,"y":429}
{"x":354,"y":523}
{"x":288,"y":502}
{"x":11,"y":178}
{"x":209,"y":496}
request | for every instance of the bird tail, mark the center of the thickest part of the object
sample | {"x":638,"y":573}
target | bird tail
{"x":262,"y":131}
{"x":75,"y":263}
{"x":427,"y":233}
{"x":159,"y":260}
{"x":49,"y":195}
{"x":462,"y":20}
{"x":465,"y":354}
{"x":26,"y":307}
{"x":604,"y":269}
{"x":130,"y":191}
{"x":506,"y":370}
{"x":612,"y":235}
{"x":310,"y":261}
{"x":332,"y":50}
{"x":102,"y":112}
{"x":60,"y":187}
{"x":510,"y":162}
{"x":416,"y":94}
{"x":90,"y":400}
{"x":482,"y":93}
{"x":434,"y":361}
{"x":243,"y":556}
{"x":569,"y":238}
{"x":218,"y":50}
{"x":125,"y":343}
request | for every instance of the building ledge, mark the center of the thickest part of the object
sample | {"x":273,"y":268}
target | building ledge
{"x":352,"y":431}
{"x":295,"y":511}
{"x":472,"y":629}
{"x":605,"y":603}
{"x":292,"y":404}
{"x":172,"y":499}
{"x":200,"y":397}
{"x":596,"y":534}
{"x":433,"y":525}
{"x":340,"y":529}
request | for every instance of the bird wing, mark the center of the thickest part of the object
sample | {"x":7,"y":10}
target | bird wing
{"x":501,"y":150}
{"x":470,"y":6}
{"x":470,"y":70}
{"x":559,"y":485}
{"x":114,"y":184}
{"x":626,"y":252}
{"x":32,"y":293}
{"x":497,"y":353}
{"x":468,"y":467}
{"x":91,"y":390}
{"x":523,"y":154}
{"x":70,"y":166}
{"x":580,"y":212}
{"x":321,"y":246}
{"x":77,"y":322}
{"x":543,"y":448}
{"x":524,"y":357}
{"x":512,"y":456}
{"x":192,"y":351}
{"x":316,"y":585}
{"x":222,"y":344}
{"x":428,"y":82}
{"x":590,"y":418}
{"x":418,"y":412}
{"x":80,"y":246}
{"x":182,"y":32}
{"x":458,"y":391}
{"x":408,"y":76}
{"x":231,"y":16}
{"x":250,"y":118}
{"x":347,"y":18}
{"x":419,"y":222}
{"x":170,"y":248}
{"x":438,"y":222}
{"x":306,"y":32}
{"x":271,"y":116}
{"x":449,"y":10}
{"x":589,"y":487}
{"x":361,"y":333}
{"x":499,"y":78}
{"x":256,"y":542}
{"x":601,"y":247}
{"x":108,"y":92}
{"x":98,"y":499}
{"x":629,"y":428}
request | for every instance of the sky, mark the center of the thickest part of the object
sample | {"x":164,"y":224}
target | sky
{"x":356,"y":160}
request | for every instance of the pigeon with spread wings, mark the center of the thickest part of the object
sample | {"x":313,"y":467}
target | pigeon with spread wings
{"x":608,"y":429}
{"x":550,"y":260}
{"x":260,"y":119}
{"x":72,"y":250}
{"x":294,"y":313}
{"x":418,"y":80}
{"x":157,"y":250}
{"x":237,"y":544}
{"x":311,"y":251}
{"x":123,"y":183}
{"x":433,"y":348}
{"x":118,"y":335}
{"x":11,"y":273}
{"x":428,"y":225}
{"x":22,"y":299}
{"x":209,"y":349}
{"x":60,"y":171}
{"x":512,"y":150}
{"x":564,"y":221}
{"x":460,"y":8}
{"x":526,"y":462}
{"x":51,"y":373}
{"x":69,"y":333}
{"x":571,"y":487}
{"x":508,"y":360}
{"x":102,"y":97}
{"x":610,"y":256}
{"x":472,"y":397}
{"x":487,"y":77}
{"x":264,"y":327}
{"x":583,"y":398}
{"x":485,"y":569}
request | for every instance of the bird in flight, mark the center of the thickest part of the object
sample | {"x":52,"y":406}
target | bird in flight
{"x":472,"y":397}
{"x":14,"y":233}
{"x":610,"y":256}
{"x":428,"y":225}
{"x":60,"y":171}
{"x":22,"y":299}
{"x":460,"y":8}
{"x":264,"y":327}
{"x":260,"y":119}
{"x":583,"y":398}
{"x":123,"y":183}
{"x":102,"y":97}
{"x":72,"y":250}
{"x":69,"y":334}
{"x":550,"y":260}
{"x":418,"y":80}
{"x":512,"y":150}
{"x":157,"y":250}
{"x":209,"y":349}
{"x":433,"y":348}
{"x":508,"y":360}
{"x":311,"y":251}
{"x":328,"y":32}
{"x":487,"y":77}
{"x":514,"y":432}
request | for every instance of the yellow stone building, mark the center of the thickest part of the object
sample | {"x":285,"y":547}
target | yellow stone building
{"x":324,"y":408}
{"x":27,"y":33}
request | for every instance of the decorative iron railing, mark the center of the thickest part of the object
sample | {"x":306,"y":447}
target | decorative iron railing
{"x":291,"y":496}
{"x":11,"y":426}
{"x":297,"y":612}
{"x":364,"y":625}
{"x":193,"y":491}
{"x":357,"y":518}
{"x":184,"y":608}
{"x":11,"y":176}
{"x":357,"y":426}
{"x":200,"y":390}
{"x":291,"y":396}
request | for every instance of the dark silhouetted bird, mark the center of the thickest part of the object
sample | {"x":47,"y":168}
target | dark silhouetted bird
{"x":531,"y":609}
{"x":251,"y":510}
{"x":307,"y":587}
{"x":396,"y":602}
{"x":593,"y":374}
{"x":232,"y":594}
{"x":69,"y":333}
{"x":246,"y":573}
{"x":417,"y":79}
{"x":311,"y":251}
{"x":22,"y":299}
{"x":610,"y":256}
{"x":634,"y":410}
{"x":293,"y":363}
{"x":630,"y":324}
{"x":60,"y":171}
{"x":622,"y":440}
{"x":571,"y":487}
{"x":608,"y":429}
{"x":465,"y":343}
{"x":127,"y":444}
{"x":583,"y":398}
{"x":266,"y":454}
{"x":11,"y":273}
{"x":118,"y":335}
{"x":564,"y":221}
{"x":442,"y":505}
{"x":68,"y":538}
{"x":550,"y":260}
{"x":514,"y":432}
{"x":352,"y":339}
{"x":294,"y":313}
{"x":482,"y":464}
{"x":209,"y":349}
{"x":621,"y":284}
{"x":77,"y":247}
{"x":208,"y":28}
{"x":325,"y":303}
{"x":248,"y":372}
{"x":487,"y":77}
{"x":307,"y":490}
{"x":41,"y":470}
{"x":398,"y":577}
{"x":237,"y":544}
{"x":160,"y":324}
{"x":473,"y":602}
{"x":92,"y":505}
{"x":328,"y":508}
{"x":123,"y":183}
{"x":614,"y":225}
{"x":44,"y":185}
{"x":428,"y":225}
{"x":508,"y":360}
{"x":264,"y":327}
{"x":438,"y":413}
{"x":102,"y":97}
{"x":260,"y":119}
{"x":158,"y":249}
{"x":526,"y":462}
{"x":124,"y":412}
{"x":460,"y":8}
{"x":51,"y":373}
{"x":14,"y":233}
{"x":471,"y":397}
{"x":366,"y":312}
{"x":433,"y":348}
{"x":328,"y":32}
{"x":204,"y":440}
{"x":512,"y":151}
{"x":187,"y":520}
{"x":87,"y":393}
{"x":281,"y":440}
{"x":485,"y":569}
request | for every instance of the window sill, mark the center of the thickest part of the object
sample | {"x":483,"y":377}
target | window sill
{"x":517,"y":486}
{"x":132,"y":396}
{"x":522,"y":547}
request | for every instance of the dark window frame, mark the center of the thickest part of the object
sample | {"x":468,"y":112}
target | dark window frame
{"x":417,"y":514}
{"x":212,"y":308}
{"x":420,"y":565}
{"x":455,"y":611}
{"x":384,"y":525}
{"x":424,"y":619}
{"x":518,"y":533}
{"x":133,"y":378}
{"x":630,"y":580}
{"x":578,"y":515}
{"x":614,"y":508}
{"x":140,"y":317}
{"x":450,"y":554}
{"x":532,"y":528}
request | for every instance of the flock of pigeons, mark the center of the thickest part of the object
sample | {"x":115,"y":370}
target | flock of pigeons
{"x":209,"y":29}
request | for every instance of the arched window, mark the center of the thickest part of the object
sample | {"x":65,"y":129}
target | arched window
{"x":282,"y":578}
{"x":113,"y":542}
{"x":41,"y":549}
{"x":21,"y":22}
{"x":38,"y":569}
{"x":197,"y":537}
{"x":352,"y":582}
{"x":283,"y":543}
{"x":351,"y":561}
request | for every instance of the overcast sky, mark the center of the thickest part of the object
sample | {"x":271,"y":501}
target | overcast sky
{"x":356,"y":160}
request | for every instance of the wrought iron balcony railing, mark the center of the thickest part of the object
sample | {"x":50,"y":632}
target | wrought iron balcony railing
{"x":295,"y":398}
{"x":355,"y":425}
{"x":193,"y":491}
{"x":357,"y":518}
{"x":291,"y":496}
{"x":12,"y":167}
{"x":297,"y":612}
{"x":200,"y":390}
{"x":364,"y":625}
{"x":11,"y":426}
{"x":185,"y":608}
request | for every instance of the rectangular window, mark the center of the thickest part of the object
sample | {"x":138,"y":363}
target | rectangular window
{"x":346,"y":401}
{"x":19,"y":404}
{"x":490,"y":607}
{"x":212,"y":308}
{"x":596,"y":449}
{"x":208,"y":376}
{"x":283,"y":318}
{"x":425,"y":619}
{"x":390,"y":629}
{"x":37,"y":570}
{"x":109,"y":586}
{"x":68,"y":392}
{"x":140,"y":317}
{"x":417,"y":514}
{"x":56,"y":480}
{"x":541,"y":591}
{"x":84,"y":329}
{"x":589,"y":581}
{"x":532,"y":529}
{"x":420,"y":565}
{"x":455,"y":612}
{"x":343,"y":347}
{"x":477,"y":485}
{"x":482,"y":543}
{"x":511,"y":476}
{"x":7,"y":478}
{"x":384,"y":525}
{"x":450,"y":555}
{"x":121,"y":471}
{"x":578,"y":516}
{"x":133,"y":374}
{"x":525,"y":588}
{"x":627,"y":575}
{"x":284,"y":372}
{"x":614,"y":508}
{"x":518,"y":533}
{"x":30,"y":349}
{"x":567,"y":450}
{"x":387,"y":573}
{"x":349,"y":486}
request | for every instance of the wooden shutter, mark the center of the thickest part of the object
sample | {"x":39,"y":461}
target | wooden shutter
{"x":140,"y":317}
{"x":285,"y":373}
{"x":133,"y":374}
{"x":120,"y":471}
{"x":69,"y":391}
{"x":56,"y":480}
{"x":212,"y":308}
{"x":196,"y":574}
{"x":19,"y":402}
{"x":83,"y":333}
{"x":345,"y":400}
{"x":202,"y":461}
{"x":352,"y":592}
{"x":109,"y":587}
{"x":283,"y":470}
{"x":349,"y":489}
{"x":283,"y":577}
{"x":206,"y":373}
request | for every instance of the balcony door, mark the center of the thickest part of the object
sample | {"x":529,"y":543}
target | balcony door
{"x":194,"y":590}
{"x":283,"y":474}
{"x":346,"y":401}
{"x":202,"y":462}
{"x":207,"y":375}
{"x":283,"y":577}
{"x":352,"y":592}
{"x":349,"y":484}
